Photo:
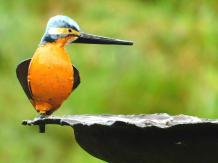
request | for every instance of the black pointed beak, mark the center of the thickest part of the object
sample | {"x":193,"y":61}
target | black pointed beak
{"x":93,"y":39}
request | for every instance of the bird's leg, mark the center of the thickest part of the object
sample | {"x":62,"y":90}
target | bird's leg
{"x":41,"y":124}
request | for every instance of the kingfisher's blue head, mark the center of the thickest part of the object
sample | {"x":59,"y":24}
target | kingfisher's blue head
{"x":66,"y":30}
{"x":61,"y":27}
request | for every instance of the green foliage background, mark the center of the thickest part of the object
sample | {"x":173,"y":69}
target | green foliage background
{"x":171,"y":68}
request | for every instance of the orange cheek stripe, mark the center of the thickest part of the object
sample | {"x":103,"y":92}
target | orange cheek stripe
{"x":63,"y":41}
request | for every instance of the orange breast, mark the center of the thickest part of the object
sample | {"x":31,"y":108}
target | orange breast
{"x":50,"y":77}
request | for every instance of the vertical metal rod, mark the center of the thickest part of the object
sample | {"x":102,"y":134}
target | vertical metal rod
{"x":41,"y":128}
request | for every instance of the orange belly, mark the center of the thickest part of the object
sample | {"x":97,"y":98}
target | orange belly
{"x":50,"y":78}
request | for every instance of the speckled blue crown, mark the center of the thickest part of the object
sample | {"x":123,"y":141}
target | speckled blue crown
{"x":61,"y":21}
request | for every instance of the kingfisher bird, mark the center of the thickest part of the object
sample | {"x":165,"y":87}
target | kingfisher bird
{"x":49,"y":77}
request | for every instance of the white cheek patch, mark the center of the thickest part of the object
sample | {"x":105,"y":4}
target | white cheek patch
{"x":54,"y":31}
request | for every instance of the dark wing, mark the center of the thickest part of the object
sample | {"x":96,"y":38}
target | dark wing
{"x":22,"y":73}
{"x":76,"y":77}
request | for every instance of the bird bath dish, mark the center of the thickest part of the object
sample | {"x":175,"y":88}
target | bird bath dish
{"x":154,"y":138}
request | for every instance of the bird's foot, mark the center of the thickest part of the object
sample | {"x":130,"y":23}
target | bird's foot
{"x":41,"y":117}
{"x":41,"y":123}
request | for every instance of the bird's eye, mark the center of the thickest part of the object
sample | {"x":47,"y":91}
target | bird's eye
{"x":69,"y":30}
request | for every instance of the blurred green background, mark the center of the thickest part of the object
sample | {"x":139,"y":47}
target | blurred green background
{"x":171,"y":68}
